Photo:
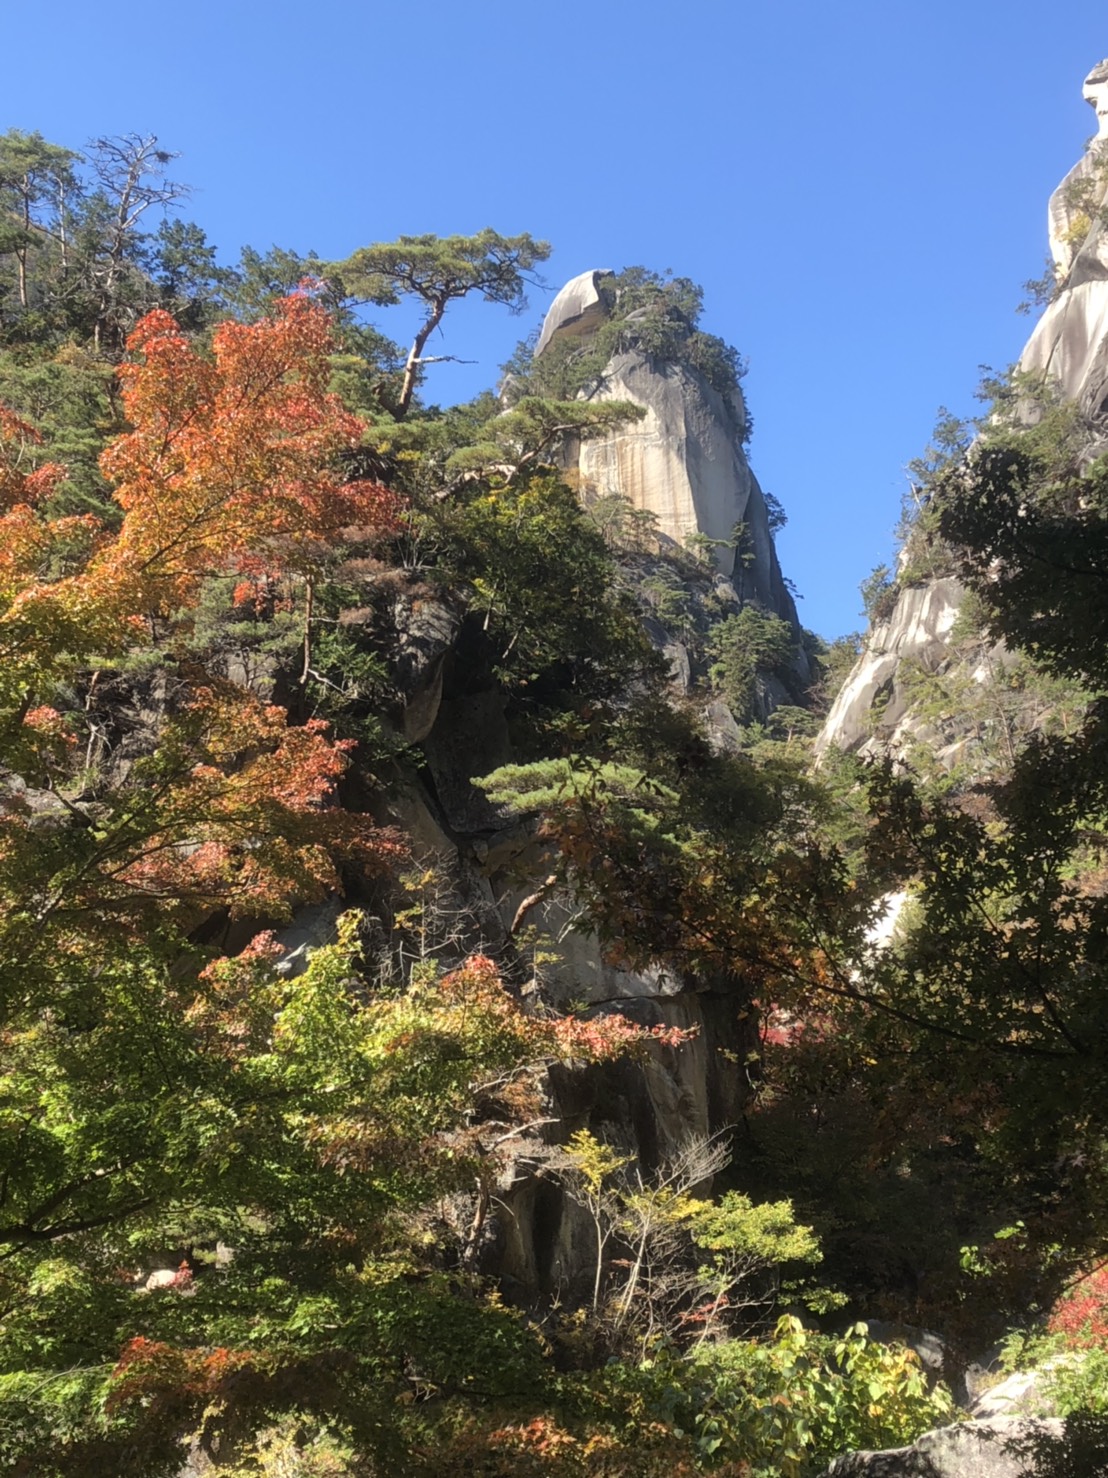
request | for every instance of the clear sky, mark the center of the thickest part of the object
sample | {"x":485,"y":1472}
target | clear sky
{"x":860,"y":187}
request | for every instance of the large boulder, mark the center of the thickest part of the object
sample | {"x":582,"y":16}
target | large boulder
{"x":990,"y":1449}
{"x":578,"y":309}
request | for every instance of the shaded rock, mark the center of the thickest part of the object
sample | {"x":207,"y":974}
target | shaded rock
{"x":677,"y":655}
{"x":971,"y":1450}
{"x":928,"y":1346}
{"x":724,"y":734}
{"x":425,"y":628}
{"x":578,"y":308}
{"x":250,"y":668}
{"x":469,"y":739}
{"x":312,"y":926}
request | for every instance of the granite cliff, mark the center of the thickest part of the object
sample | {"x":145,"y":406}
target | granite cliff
{"x":684,"y":462}
{"x":877,"y":708}
{"x":684,"y":465}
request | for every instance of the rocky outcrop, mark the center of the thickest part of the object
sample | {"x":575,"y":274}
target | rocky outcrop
{"x":683,"y":462}
{"x":577,"y":309}
{"x":993,"y":1449}
{"x":872,"y":710}
{"x":1070,"y":342}
{"x":1069,"y":347}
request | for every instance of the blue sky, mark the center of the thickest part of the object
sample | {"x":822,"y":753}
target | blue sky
{"x":861,"y":187}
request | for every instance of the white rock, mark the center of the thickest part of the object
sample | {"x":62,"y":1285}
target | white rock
{"x":161,"y":1278}
{"x":971,"y":1450}
{"x":918,"y":628}
{"x":1069,"y":346}
{"x":1019,"y":1395}
{"x":1070,"y":343}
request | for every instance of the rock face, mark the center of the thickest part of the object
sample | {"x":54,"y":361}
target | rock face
{"x":873,"y":708}
{"x":971,"y":1450}
{"x":1069,"y":346}
{"x":683,"y":461}
{"x":1070,"y":342}
{"x":576,"y":310}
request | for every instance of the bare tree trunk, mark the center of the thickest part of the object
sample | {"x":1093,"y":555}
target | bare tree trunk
{"x":21,"y":254}
{"x":307,"y":635}
{"x":411,"y":366}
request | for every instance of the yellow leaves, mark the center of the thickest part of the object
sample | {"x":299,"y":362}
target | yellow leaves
{"x":595,"y":1162}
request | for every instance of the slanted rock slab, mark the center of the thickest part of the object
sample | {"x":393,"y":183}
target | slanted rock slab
{"x":968,"y":1450}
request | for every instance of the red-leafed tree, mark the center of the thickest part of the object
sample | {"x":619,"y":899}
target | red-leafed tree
{"x":233,"y":462}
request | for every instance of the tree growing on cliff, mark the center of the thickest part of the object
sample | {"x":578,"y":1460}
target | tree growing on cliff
{"x":438,"y":271}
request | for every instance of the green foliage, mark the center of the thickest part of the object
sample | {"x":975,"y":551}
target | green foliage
{"x":531,"y":430}
{"x":834,"y":664}
{"x":777,"y":518}
{"x":878,"y":591}
{"x":660,"y":317}
{"x":789,"y":1405}
{"x":1029,"y":525}
{"x":742,"y":646}
{"x":67,"y":397}
{"x":542,"y":582}
{"x":701,"y":861}
{"x":447,"y":267}
{"x":438,"y":271}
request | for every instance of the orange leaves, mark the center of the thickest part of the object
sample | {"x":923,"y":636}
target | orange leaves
{"x":234,"y":809}
{"x":477,"y":986}
{"x":17,"y":486}
{"x":151,"y":1371}
{"x":238,"y":810}
{"x":232,"y":465}
{"x":233,"y":462}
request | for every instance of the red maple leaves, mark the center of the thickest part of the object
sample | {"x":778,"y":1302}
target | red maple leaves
{"x":233,"y":462}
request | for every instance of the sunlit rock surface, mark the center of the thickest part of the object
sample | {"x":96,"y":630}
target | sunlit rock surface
{"x":873,"y":707}
{"x":577,"y":309}
{"x":972,"y":1450}
{"x":1069,"y":345}
{"x":684,"y":461}
{"x":1070,"y":342}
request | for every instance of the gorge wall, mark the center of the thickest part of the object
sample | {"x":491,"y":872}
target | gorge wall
{"x":684,"y":463}
{"x":877,"y":708}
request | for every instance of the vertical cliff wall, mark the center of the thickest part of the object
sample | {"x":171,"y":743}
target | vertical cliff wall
{"x":684,"y":461}
{"x":875,"y":709}
{"x":1070,"y":341}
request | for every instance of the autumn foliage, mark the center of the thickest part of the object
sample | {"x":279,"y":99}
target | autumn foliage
{"x":1081,"y":1315}
{"x":233,"y":461}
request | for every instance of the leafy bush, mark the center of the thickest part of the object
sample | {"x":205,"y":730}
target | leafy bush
{"x":787,"y":1406}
